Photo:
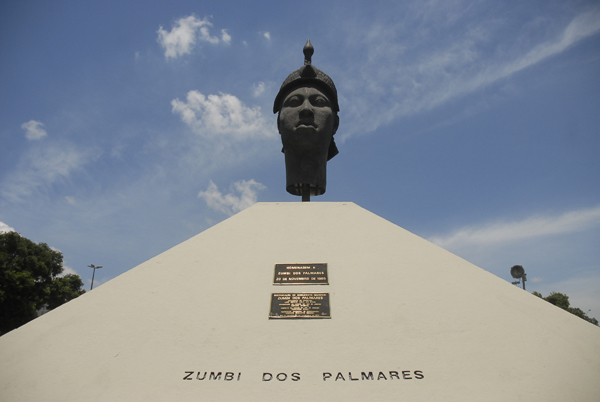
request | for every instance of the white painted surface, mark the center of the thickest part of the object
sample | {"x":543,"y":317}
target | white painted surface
{"x":398,"y":303}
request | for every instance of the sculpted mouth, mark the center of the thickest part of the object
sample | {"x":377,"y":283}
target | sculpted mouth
{"x":306,"y":124}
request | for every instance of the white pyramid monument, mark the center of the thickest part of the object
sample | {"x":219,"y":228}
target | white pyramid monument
{"x":409,"y":321}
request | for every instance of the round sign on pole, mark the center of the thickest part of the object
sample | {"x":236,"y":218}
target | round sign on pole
{"x":517,"y":271}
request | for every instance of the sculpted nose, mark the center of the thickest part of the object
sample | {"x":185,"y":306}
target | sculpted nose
{"x":306,"y":111}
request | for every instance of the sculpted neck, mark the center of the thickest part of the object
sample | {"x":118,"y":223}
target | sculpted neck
{"x":304,"y":168}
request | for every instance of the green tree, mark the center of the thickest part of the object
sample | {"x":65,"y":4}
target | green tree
{"x":30,"y":278}
{"x":562,"y":300}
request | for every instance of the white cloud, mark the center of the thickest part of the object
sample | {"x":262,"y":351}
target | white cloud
{"x":33,"y":130}
{"x":71,"y":200}
{"x":508,"y":232}
{"x":221,"y":117}
{"x":97,"y":283}
{"x":4,"y":228}
{"x":205,"y":35}
{"x":267,"y":35}
{"x":230,"y":203}
{"x":117,"y":150}
{"x":182,"y":38}
{"x":258,"y":89}
{"x":225,"y":37}
{"x":580,"y":27}
{"x":68,"y":270}
{"x":399,"y":77}
{"x":42,"y":167}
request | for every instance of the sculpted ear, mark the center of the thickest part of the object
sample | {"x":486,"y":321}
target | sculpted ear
{"x":336,"y":123}
{"x":278,"y":124}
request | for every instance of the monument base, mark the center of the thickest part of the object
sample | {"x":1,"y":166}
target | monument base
{"x":407,"y":321}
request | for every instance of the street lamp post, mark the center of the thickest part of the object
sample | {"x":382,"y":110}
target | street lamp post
{"x":518,"y":272}
{"x":95,"y":268}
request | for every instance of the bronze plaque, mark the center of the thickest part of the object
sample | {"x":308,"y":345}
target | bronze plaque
{"x":301,"y":274}
{"x":300,"y":305}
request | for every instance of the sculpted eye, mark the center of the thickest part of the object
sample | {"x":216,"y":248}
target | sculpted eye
{"x":320,"y":101}
{"x":293,"y":101}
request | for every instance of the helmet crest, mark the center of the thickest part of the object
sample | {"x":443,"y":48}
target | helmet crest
{"x":307,"y":74}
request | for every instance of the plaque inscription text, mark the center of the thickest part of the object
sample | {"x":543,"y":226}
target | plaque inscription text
{"x":300,"y":305}
{"x":301,"y":274}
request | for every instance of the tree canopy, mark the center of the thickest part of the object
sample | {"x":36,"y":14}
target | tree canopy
{"x":562,"y":300}
{"x":30,"y":279}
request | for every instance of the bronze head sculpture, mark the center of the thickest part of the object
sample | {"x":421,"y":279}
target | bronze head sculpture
{"x":308,"y":118}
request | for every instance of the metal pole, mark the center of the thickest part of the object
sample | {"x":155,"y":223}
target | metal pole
{"x":94,"y":274}
{"x":305,"y":192}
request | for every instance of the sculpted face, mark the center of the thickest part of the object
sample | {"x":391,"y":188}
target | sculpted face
{"x":307,"y":121}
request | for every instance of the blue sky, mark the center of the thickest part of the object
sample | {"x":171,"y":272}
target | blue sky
{"x":127,"y":127}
